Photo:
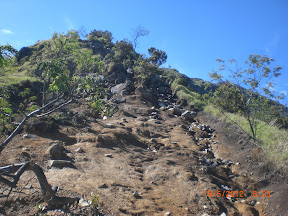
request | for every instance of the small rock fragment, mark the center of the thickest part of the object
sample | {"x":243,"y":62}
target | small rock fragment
{"x":108,"y":155}
{"x":103,"y":186}
{"x":25,"y":136}
{"x":28,"y":186}
{"x":109,"y":125}
{"x":60,"y":164}
{"x":84,"y":203}
{"x":189,"y":115}
{"x":79,"y":150}
{"x":25,"y":149}
{"x":136,"y":194}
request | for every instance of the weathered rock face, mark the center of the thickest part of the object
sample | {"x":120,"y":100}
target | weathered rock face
{"x":146,"y":96}
{"x":157,"y":83}
{"x":123,"y":88}
{"x":115,"y":74}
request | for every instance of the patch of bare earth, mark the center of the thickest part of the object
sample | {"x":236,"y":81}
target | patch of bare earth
{"x":141,"y":162}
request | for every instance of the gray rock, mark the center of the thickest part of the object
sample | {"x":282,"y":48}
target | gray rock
{"x":136,"y":194}
{"x":84,"y":203}
{"x":25,"y":136}
{"x":123,"y":88}
{"x":56,"y":151}
{"x":25,"y":149}
{"x":189,"y":115}
{"x":61,"y":164}
{"x":109,"y":125}
{"x":79,"y":150}
{"x":175,"y":111}
{"x":118,"y":99}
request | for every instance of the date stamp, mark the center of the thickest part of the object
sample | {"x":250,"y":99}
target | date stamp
{"x":224,"y":193}
{"x":236,"y":194}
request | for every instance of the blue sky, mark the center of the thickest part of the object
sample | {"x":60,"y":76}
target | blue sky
{"x":193,"y":33}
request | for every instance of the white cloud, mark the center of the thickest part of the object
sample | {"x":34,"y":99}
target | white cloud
{"x":267,"y":51}
{"x":283,"y":92}
{"x":6,"y":31}
{"x":274,"y":42}
{"x":69,"y":24}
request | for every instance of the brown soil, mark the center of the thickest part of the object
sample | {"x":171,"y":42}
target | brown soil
{"x":144,"y":165}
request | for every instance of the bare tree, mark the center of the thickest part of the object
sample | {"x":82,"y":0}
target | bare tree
{"x":82,"y":32}
{"x":140,"y":31}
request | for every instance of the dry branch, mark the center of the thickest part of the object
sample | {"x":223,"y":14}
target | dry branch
{"x":47,"y":191}
{"x":18,"y":169}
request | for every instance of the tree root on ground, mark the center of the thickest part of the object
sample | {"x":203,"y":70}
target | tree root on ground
{"x":49,"y":193}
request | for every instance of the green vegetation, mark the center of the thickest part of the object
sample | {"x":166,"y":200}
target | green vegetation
{"x":68,"y":66}
{"x":271,"y":139}
{"x":232,"y":97}
{"x":185,"y":92}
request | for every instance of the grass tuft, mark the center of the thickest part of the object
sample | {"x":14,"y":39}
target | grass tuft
{"x":273,"y":141}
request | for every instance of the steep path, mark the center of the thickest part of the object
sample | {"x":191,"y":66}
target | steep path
{"x":142,"y":161}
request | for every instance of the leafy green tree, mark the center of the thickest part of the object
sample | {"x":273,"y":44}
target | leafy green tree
{"x":157,"y":57}
{"x":252,"y":102}
{"x":6,"y":53}
{"x":104,"y":37}
{"x":64,"y":70}
{"x":124,"y":53}
{"x":143,"y":68}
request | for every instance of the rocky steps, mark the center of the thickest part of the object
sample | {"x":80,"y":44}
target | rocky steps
{"x":147,"y":159}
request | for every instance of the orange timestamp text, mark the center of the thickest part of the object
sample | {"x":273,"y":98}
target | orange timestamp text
{"x":224,"y":193}
{"x":264,"y":193}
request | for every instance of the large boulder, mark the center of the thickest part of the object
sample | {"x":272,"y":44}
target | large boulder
{"x":123,"y":88}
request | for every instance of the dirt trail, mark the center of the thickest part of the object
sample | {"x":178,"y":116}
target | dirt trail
{"x":142,"y":161}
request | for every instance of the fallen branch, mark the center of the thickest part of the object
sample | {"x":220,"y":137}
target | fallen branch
{"x":47,"y":192}
{"x":4,"y":144}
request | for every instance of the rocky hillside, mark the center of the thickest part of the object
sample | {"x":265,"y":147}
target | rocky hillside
{"x":144,"y":160}
{"x":133,"y":141}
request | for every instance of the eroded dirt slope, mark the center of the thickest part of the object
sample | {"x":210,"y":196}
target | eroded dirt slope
{"x":142,"y":161}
